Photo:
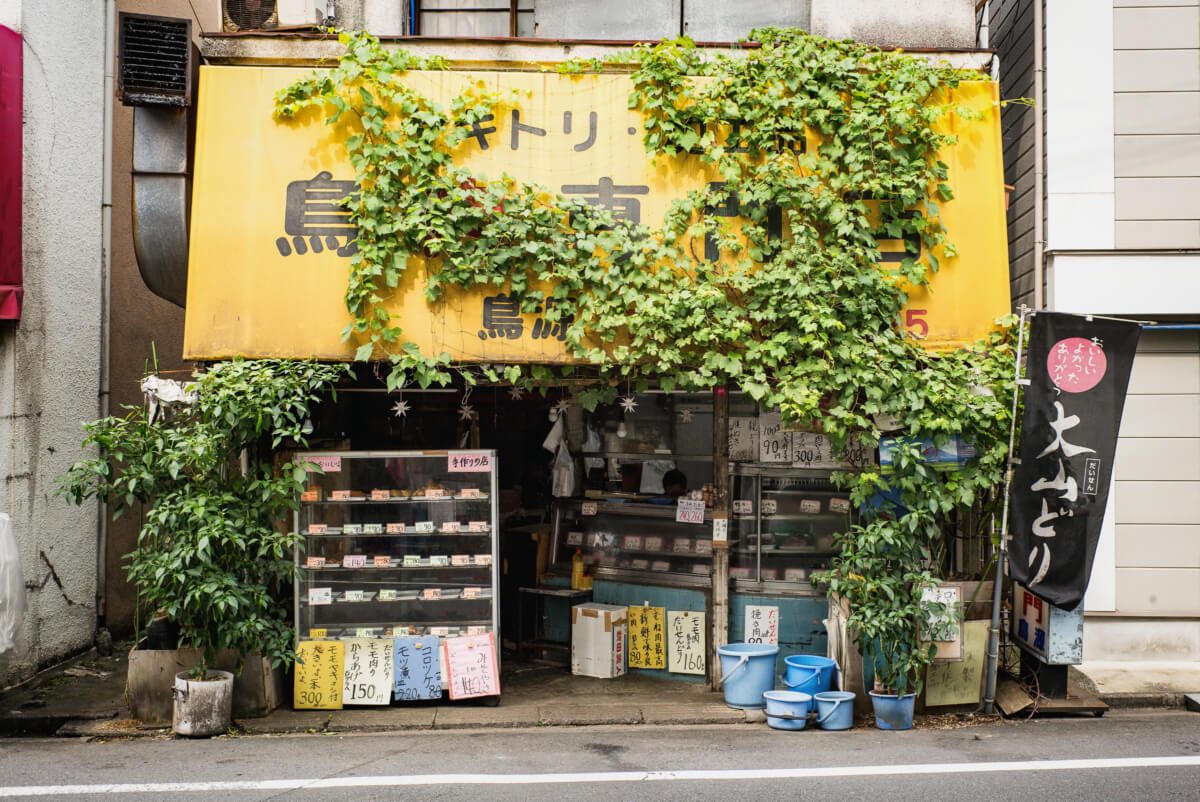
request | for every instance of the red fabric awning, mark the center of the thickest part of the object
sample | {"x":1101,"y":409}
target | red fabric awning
{"x":11,"y":291}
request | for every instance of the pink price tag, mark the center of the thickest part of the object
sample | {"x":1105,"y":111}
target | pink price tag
{"x":471,"y":492}
{"x":770,"y":506}
{"x":395,"y":529}
{"x":382,"y":561}
{"x":324,"y":462}
{"x":477,"y":526}
{"x":632,"y":543}
{"x":743,"y":506}
{"x":380,"y":495}
{"x":340,"y":495}
{"x":470,"y":462}
{"x":460,"y":559}
{"x":654,"y":543}
{"x":431,"y":594}
{"x":483,"y":559}
{"x":477,"y":630}
{"x":318,"y":529}
{"x":810,"y":506}
{"x":355,"y":561}
{"x":471,"y":593}
{"x":315,"y":562}
{"x":839,"y":505}
{"x":435,"y":492}
{"x":451,"y":527}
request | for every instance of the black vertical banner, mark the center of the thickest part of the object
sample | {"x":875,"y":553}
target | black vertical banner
{"x":1078,"y":372}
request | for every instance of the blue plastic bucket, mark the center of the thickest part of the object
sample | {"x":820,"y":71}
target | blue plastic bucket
{"x":835,"y":710}
{"x":787,"y":710}
{"x":747,"y":672}
{"x":893,"y":712}
{"x":809,"y":673}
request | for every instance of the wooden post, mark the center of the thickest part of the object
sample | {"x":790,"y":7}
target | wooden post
{"x":720,"y":503}
{"x":512,"y":19}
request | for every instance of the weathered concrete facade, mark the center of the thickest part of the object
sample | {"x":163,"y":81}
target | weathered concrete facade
{"x":49,"y":361}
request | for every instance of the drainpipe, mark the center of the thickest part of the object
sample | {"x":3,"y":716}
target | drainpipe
{"x":1039,"y":109}
{"x":110,"y":38}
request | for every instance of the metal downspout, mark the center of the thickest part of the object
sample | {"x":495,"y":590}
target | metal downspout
{"x":110,"y":36}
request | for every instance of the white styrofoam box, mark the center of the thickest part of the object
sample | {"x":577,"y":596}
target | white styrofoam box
{"x":598,"y":640}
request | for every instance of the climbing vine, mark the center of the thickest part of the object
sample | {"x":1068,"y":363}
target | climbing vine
{"x":821,"y":148}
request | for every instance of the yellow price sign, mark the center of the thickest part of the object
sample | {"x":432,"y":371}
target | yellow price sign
{"x":319,"y":670}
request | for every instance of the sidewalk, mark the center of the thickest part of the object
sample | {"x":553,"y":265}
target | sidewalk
{"x":86,"y":697}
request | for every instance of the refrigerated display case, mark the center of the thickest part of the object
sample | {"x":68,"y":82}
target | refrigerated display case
{"x":783,"y":522}
{"x":631,"y":541}
{"x":397,"y":543}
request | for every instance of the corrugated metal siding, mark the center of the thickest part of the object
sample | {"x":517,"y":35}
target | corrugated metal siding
{"x":1157,"y":476}
{"x":1156,"y":81}
{"x":1012,"y":37}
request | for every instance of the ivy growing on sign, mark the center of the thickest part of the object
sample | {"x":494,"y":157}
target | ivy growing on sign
{"x":836,"y":146}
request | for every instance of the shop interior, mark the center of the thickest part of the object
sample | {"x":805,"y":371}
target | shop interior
{"x":585,"y":509}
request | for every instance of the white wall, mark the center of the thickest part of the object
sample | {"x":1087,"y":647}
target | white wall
{"x":49,"y":362}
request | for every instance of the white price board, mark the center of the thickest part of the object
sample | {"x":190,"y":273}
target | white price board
{"x":762,"y":624}
{"x":690,"y":511}
{"x":774,"y":444}
{"x":318,"y":596}
{"x":743,"y":439}
{"x":685,"y":646}
{"x":367,"y":679}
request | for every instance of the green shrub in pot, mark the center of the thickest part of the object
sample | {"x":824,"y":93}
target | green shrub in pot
{"x":211,"y":553}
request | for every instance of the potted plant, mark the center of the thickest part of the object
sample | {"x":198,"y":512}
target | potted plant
{"x":211,"y":554}
{"x":884,"y":564}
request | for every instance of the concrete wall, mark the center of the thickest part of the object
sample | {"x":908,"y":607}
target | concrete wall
{"x":49,"y":362}
{"x":903,"y":23}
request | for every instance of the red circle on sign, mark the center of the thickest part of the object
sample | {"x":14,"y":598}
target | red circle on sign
{"x":1076,"y":365}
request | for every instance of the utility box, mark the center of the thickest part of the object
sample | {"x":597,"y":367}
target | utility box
{"x":598,"y":640}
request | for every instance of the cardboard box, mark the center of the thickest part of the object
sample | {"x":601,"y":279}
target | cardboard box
{"x":598,"y":640}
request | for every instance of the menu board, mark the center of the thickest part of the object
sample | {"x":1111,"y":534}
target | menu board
{"x":418,"y":668}
{"x":318,"y":684}
{"x":743,"y":439}
{"x":774,"y":444}
{"x":471,"y":668}
{"x":762,"y":624}
{"x":367,"y":679}
{"x":686,"y":633}
{"x":647,"y":637}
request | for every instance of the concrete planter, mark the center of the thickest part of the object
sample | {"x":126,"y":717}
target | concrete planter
{"x":203,"y":707}
{"x":257,"y":690}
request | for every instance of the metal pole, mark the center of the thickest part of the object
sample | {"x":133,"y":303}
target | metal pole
{"x":993,"y":654}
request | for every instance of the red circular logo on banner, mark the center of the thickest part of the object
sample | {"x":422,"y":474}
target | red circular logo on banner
{"x":1076,"y":365}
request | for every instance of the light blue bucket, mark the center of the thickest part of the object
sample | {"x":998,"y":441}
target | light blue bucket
{"x":787,"y":710}
{"x":893,"y":712}
{"x":747,"y":672}
{"x":809,"y":673}
{"x":835,"y":710}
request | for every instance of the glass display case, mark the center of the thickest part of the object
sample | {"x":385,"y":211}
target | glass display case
{"x":632,"y":541}
{"x":397,"y":543}
{"x":783,"y":521}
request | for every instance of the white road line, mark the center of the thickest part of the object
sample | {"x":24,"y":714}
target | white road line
{"x":686,"y":775}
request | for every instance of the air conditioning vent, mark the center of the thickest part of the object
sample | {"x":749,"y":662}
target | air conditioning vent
{"x":154,"y":61}
{"x":249,"y":15}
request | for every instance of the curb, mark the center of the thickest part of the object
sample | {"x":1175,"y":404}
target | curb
{"x":1134,"y":700}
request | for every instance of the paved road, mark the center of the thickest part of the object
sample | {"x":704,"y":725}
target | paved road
{"x":1125,"y":755}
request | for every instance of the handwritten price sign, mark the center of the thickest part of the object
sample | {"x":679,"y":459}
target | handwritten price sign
{"x":690,"y":511}
{"x":471,"y":666}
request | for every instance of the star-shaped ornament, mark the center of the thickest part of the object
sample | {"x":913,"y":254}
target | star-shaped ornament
{"x":466,"y":413}
{"x":629,"y":404}
{"x":685,"y":416}
{"x":561,"y":407}
{"x":400,"y":408}
{"x":515,"y":393}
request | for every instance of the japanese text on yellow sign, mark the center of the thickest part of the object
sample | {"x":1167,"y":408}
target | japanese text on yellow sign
{"x":270,"y":250}
{"x":318,"y":683}
{"x":647,"y":637}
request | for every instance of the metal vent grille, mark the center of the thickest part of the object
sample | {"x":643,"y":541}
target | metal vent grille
{"x":249,"y":15}
{"x":154,"y":66}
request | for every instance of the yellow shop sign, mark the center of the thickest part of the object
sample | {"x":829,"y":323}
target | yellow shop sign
{"x":270,"y":253}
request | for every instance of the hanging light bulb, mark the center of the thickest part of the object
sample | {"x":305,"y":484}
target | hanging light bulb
{"x":621,"y":430}
{"x":307,"y":428}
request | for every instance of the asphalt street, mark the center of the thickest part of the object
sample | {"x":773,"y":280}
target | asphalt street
{"x":1125,"y":755}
